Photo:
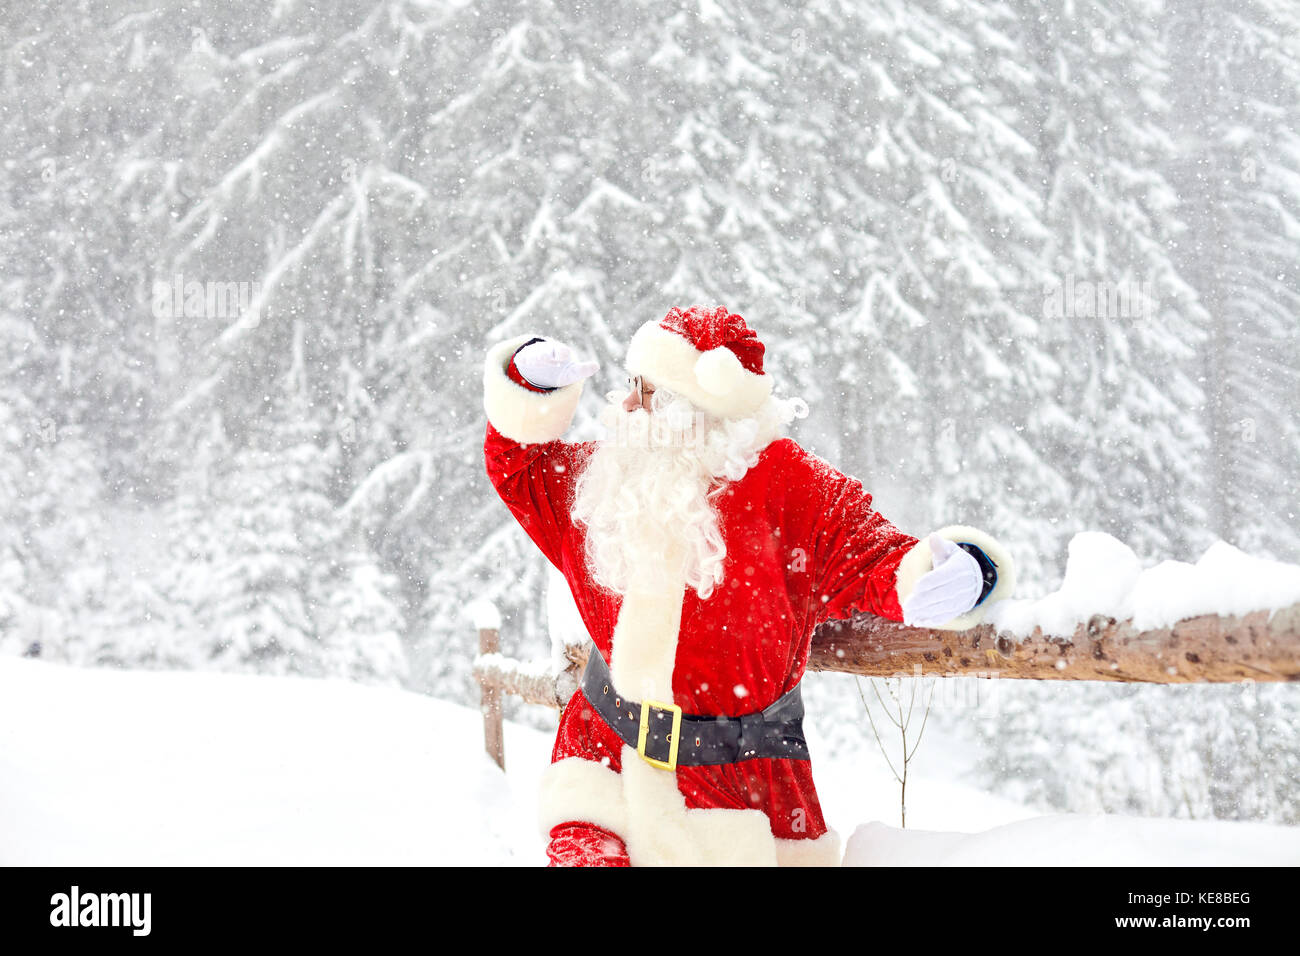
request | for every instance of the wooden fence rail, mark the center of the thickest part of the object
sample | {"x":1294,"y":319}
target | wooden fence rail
{"x":1260,"y":646}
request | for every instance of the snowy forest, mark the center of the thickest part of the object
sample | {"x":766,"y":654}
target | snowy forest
{"x":1033,"y":264}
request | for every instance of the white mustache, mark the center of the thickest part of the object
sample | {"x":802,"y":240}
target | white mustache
{"x":676,"y":424}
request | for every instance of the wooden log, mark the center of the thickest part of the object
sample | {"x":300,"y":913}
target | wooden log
{"x":534,"y":683}
{"x":489,"y":642}
{"x":576,"y":655}
{"x":1260,"y":646}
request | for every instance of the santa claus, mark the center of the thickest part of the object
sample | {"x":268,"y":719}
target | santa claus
{"x":702,"y":550}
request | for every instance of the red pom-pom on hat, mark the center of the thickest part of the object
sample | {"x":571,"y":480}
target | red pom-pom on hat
{"x":717,"y":328}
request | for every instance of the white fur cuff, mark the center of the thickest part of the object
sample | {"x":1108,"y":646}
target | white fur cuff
{"x":576,"y":790}
{"x":918,"y":561}
{"x":514,"y":411}
{"x":825,"y":850}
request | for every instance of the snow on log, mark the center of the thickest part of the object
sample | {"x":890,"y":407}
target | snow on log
{"x":1260,"y":646}
{"x":536,"y":682}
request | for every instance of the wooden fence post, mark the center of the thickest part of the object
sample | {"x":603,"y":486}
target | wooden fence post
{"x":489,"y":642}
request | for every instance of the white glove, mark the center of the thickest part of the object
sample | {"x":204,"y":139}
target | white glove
{"x":950,"y":589}
{"x":549,"y":364}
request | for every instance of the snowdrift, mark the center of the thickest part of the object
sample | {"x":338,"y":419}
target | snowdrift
{"x":1079,"y":840}
{"x":138,"y":768}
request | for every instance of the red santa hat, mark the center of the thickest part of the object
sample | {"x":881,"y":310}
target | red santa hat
{"x":708,"y":355}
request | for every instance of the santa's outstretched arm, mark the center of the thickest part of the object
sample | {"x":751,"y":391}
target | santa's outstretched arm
{"x":531,"y":388}
{"x":857,"y":561}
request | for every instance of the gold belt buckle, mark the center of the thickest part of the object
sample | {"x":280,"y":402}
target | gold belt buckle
{"x":673,"y":737}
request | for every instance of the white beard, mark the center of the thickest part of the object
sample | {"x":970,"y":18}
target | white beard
{"x":646,"y":495}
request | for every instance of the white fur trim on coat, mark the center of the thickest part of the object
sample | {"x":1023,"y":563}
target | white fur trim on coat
{"x":644,"y":808}
{"x":663,"y":832}
{"x":578,"y":790}
{"x":918,"y":561}
{"x":644,"y":642}
{"x":524,"y":416}
{"x":825,"y":850}
{"x":669,"y":361}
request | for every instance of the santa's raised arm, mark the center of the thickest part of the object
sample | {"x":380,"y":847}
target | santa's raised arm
{"x":702,"y":550}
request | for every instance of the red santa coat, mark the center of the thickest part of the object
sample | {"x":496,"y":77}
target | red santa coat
{"x":804,"y":546}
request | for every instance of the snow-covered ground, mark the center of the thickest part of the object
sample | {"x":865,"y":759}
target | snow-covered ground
{"x":112,"y":768}
{"x":1075,"y":840}
{"x":134,"y":768}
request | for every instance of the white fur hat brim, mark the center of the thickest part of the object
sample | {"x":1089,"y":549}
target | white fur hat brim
{"x":714,"y":381}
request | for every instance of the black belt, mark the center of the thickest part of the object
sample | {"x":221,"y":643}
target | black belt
{"x":668,"y":738}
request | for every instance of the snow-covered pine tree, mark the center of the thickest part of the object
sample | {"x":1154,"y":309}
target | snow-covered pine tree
{"x":1237,"y":172}
{"x":51,"y":534}
{"x":1186,"y":751}
{"x":1124,"y":324}
{"x":958,"y":383}
{"x":73,"y":121}
{"x":362,"y":625}
{"x":256,"y":607}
